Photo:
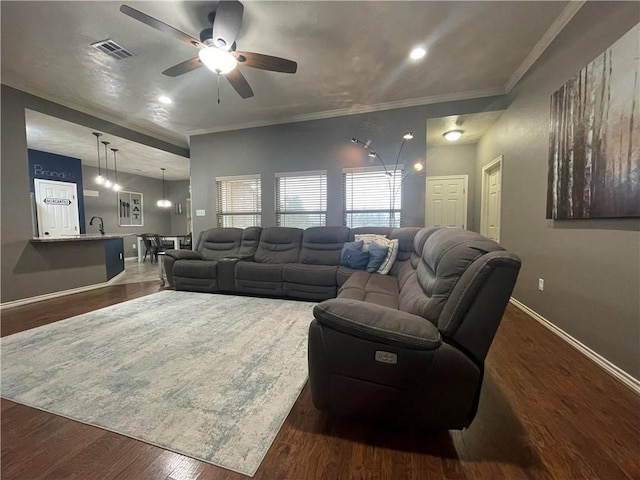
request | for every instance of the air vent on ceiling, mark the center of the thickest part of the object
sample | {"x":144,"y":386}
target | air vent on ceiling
{"x":112,"y":49}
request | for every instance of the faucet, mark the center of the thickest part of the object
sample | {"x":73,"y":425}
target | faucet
{"x":100,"y":225}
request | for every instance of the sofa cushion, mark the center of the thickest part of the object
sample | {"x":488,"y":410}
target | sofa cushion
{"x":279,"y":245}
{"x":372,"y":288}
{"x":259,"y":272}
{"x":250,"y":240}
{"x":216,"y":243}
{"x":195,"y":268}
{"x":343,"y":273}
{"x":323,"y":245}
{"x":303,"y":274}
{"x":405,"y":237}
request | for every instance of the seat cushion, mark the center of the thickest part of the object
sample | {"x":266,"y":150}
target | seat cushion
{"x":372,"y":288}
{"x":259,"y":272}
{"x":320,"y":275}
{"x":195,"y":269}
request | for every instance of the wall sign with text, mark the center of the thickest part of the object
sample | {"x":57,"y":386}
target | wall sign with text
{"x":130,"y":209}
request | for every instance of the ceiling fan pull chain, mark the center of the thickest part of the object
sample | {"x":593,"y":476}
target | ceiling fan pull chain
{"x":218,"y":75}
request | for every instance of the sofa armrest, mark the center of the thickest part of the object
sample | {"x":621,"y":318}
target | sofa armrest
{"x":377,"y":323}
{"x":184,"y":254}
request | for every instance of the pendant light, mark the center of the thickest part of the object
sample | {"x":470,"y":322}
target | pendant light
{"x":164,"y":203}
{"x":107,"y":183}
{"x":99,"y":179}
{"x":116,"y":187}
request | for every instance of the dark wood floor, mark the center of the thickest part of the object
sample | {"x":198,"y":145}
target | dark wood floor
{"x":545,"y":412}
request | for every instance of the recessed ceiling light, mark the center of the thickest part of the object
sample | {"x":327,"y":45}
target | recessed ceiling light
{"x":453,"y":135}
{"x":417,"y":53}
{"x":164,"y":99}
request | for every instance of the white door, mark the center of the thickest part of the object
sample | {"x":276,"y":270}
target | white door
{"x":446,"y":201}
{"x":57,"y":208}
{"x":491,"y":199}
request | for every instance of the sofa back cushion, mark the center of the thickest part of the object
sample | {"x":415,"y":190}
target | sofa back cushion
{"x":446,"y":254}
{"x":405,"y":237}
{"x":216,"y":243}
{"x":385,"y":231}
{"x":250,"y":240}
{"x":323,"y":245}
{"x":279,"y":245}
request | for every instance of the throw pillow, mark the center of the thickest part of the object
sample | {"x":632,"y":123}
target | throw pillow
{"x":355,"y":259}
{"x":357,"y":246}
{"x":389,"y":260}
{"x":377,"y":255}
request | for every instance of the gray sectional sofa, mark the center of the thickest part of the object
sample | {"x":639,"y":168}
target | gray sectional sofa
{"x":272,"y":261}
{"x":406,"y":348}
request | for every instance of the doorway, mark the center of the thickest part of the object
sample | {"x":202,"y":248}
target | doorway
{"x":491,"y":199}
{"x":56,"y":208}
{"x":446,"y":201}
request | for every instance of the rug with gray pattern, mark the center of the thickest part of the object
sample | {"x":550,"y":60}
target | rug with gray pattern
{"x":209,"y":376}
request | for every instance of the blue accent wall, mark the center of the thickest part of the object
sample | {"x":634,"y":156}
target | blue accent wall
{"x":50,"y":166}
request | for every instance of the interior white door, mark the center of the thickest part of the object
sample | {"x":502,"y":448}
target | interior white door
{"x":57,"y":208}
{"x":491,"y":199}
{"x":446,"y":201}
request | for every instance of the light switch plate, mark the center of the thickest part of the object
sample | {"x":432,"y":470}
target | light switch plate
{"x":200,"y":213}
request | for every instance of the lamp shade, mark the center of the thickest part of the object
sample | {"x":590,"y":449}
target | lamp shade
{"x":218,"y":61}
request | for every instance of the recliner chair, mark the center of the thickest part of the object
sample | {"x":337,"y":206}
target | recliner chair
{"x":420,"y":364}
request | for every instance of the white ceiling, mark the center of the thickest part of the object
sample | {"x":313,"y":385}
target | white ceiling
{"x":474,"y":126}
{"x":352,"y":56}
{"x":53,"y":135}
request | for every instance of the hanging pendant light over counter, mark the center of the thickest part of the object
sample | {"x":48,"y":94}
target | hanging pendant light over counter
{"x":116,"y":186}
{"x":164,"y":203}
{"x":99,"y":179}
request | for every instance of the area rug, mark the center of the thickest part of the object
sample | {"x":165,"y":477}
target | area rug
{"x":210,"y":376}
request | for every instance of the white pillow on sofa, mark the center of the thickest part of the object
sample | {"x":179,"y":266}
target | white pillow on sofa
{"x":369,"y":238}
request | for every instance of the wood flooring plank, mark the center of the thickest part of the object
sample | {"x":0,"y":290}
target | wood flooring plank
{"x":546,"y":412}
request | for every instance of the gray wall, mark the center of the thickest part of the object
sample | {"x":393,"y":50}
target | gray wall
{"x":25,"y":272}
{"x":591,"y":267}
{"x":455,"y":160}
{"x":178,"y":192}
{"x":319,"y":145}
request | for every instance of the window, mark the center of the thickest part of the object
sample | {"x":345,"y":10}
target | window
{"x":301,"y":199}
{"x":371,"y":197}
{"x":239,"y":201}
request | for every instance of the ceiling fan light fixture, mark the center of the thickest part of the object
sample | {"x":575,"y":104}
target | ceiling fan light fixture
{"x":417,"y":53}
{"x":217,"y":60}
{"x":453,"y":135}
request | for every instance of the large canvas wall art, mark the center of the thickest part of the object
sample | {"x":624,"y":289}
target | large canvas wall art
{"x":594,"y":144}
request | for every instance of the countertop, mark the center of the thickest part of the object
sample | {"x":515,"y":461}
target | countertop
{"x":78,"y":238}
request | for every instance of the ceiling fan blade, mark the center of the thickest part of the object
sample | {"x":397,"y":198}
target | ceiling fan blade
{"x":239,"y":83}
{"x":226,"y":23}
{"x":158,"y":25}
{"x":266,"y":62}
{"x":183,"y":67}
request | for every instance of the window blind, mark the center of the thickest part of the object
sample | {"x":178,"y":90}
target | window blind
{"x":238,"y":201}
{"x":372,"y":198}
{"x":301,"y":199}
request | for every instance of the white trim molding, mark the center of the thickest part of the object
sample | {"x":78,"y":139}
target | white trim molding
{"x":549,"y":36}
{"x":357,"y":109}
{"x":606,"y":365}
{"x":49,"y":296}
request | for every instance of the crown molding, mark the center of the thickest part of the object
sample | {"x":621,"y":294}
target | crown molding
{"x":177,"y":141}
{"x":355,"y":110}
{"x":549,"y":36}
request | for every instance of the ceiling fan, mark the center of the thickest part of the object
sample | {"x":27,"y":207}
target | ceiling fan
{"x":217,"y":47}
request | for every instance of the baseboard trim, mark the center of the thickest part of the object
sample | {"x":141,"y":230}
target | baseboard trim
{"x":49,"y":296}
{"x":606,"y":365}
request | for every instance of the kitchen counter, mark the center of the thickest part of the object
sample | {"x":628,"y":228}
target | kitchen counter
{"x":77,"y":238}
